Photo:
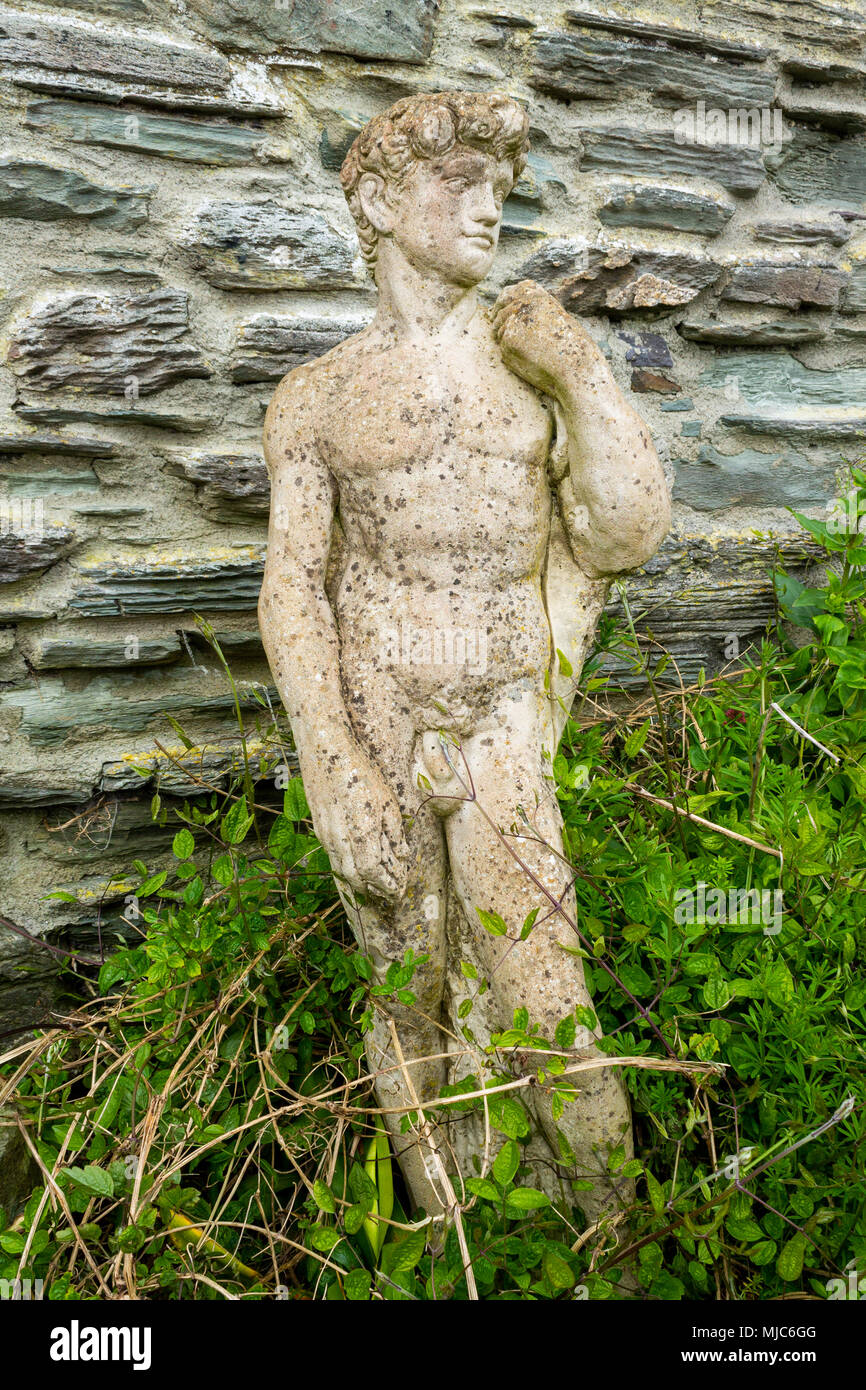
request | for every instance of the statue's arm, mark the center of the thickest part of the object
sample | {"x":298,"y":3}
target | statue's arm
{"x":614,"y":499}
{"x":355,"y":814}
{"x":297,"y":624}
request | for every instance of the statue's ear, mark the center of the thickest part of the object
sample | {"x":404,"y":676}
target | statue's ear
{"x":373,"y":197}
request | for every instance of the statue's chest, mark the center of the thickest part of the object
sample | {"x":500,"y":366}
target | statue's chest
{"x":407,"y":409}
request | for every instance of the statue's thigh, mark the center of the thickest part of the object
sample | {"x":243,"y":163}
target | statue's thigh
{"x":502,"y":864}
{"x":385,"y":930}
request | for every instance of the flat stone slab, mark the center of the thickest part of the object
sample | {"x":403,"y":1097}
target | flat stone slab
{"x":738,"y":168}
{"x":231,"y":487}
{"x":267,"y":346}
{"x":401,"y":30}
{"x":263,"y":246}
{"x":104,"y":343}
{"x":228,"y":580}
{"x":775,"y":333}
{"x":667,"y":208}
{"x":172,"y":137}
{"x":47,"y":193}
{"x":750,"y":478}
{"x":588,"y":67}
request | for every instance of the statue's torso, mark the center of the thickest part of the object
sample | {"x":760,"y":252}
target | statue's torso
{"x":440,"y":457}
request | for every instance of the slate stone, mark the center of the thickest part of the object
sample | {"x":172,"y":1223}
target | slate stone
{"x":587,"y":67}
{"x":643,"y":380}
{"x":81,"y":653}
{"x":815,"y":67}
{"x":401,"y":31}
{"x":133,"y":9}
{"x":244,"y":645}
{"x":227,"y":581}
{"x":337,"y":135}
{"x":646,"y":350}
{"x":37,"y":443}
{"x":50,"y":483}
{"x":44,"y":193}
{"x":779,"y":333}
{"x":752,"y":479}
{"x":854,"y":297}
{"x":837,"y":26}
{"x":121,"y":704}
{"x":817,"y":166}
{"x":787,"y":286}
{"x":668,"y":208}
{"x":839,"y":110}
{"x":262,"y":246}
{"x":42,"y":41}
{"x":266,"y":347}
{"x":151,"y":419}
{"x":691,"y":429}
{"x":738,"y":168}
{"x":775,"y":379}
{"x":25,"y":552}
{"x":183,"y":774}
{"x":829,"y":427}
{"x":618,"y":281}
{"x":232,"y":487}
{"x":797,"y":231}
{"x":704,"y":40}
{"x":698,"y":590}
{"x":173,"y":137}
{"x":106,"y":343}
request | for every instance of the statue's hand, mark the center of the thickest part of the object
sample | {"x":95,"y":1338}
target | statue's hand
{"x":533,"y":330}
{"x":357,"y":819}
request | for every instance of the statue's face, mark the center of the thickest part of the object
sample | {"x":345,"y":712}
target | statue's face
{"x":449,"y":212}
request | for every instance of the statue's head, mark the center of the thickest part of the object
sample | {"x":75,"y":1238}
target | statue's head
{"x":432,"y":173}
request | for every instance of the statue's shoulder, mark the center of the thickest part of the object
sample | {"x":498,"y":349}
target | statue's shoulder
{"x":313,"y":384}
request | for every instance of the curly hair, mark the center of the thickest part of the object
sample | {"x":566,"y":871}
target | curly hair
{"x":427,"y":127}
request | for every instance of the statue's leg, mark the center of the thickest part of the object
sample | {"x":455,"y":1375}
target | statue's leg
{"x":507,"y":772}
{"x":384,"y":931}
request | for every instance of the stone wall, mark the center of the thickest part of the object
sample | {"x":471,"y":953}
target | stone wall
{"x":175,"y":239}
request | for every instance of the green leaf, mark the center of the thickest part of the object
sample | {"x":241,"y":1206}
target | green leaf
{"x":636,"y":740}
{"x":324,"y":1238}
{"x":409,"y":1251}
{"x":183,"y":844}
{"x":282,"y":839}
{"x":357,"y":1285}
{"x":523,"y":1199}
{"x":295,"y":806}
{"x":779,"y":983}
{"x":529,"y":923}
{"x":566,"y":1030}
{"x":151,"y":885}
{"x":323,"y":1196}
{"x":492,"y":922}
{"x":762,"y":1253}
{"x":506,"y":1163}
{"x":236,"y":822}
{"x":92,"y":1179}
{"x":508,"y":1116}
{"x":655,"y":1191}
{"x":355,"y":1216}
{"x":789,"y":1265}
{"x":361,"y":1184}
{"x":558,"y":1273}
{"x":716,"y":991}
{"x":483,"y":1187}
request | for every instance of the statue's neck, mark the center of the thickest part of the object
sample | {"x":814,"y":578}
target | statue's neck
{"x":416,"y":304}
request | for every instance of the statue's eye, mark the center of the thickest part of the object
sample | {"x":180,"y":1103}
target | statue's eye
{"x":456,"y":184}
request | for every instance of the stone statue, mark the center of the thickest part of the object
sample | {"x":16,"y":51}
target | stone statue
{"x":452,"y":489}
